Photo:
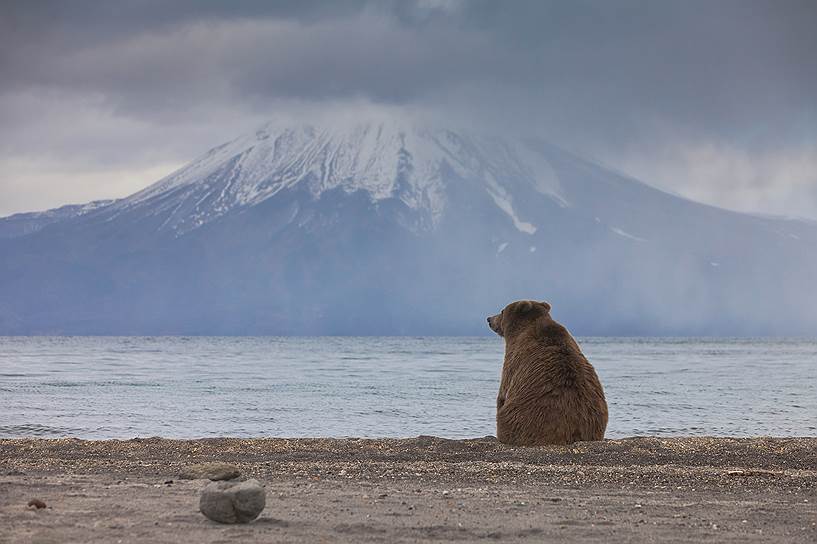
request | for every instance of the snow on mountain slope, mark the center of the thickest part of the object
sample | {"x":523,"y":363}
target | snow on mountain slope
{"x":384,"y":159}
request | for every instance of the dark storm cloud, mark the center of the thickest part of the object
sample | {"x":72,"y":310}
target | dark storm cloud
{"x":606,"y":77}
{"x":721,"y":66}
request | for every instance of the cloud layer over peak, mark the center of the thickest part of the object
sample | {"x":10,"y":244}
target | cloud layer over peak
{"x":94,"y":88}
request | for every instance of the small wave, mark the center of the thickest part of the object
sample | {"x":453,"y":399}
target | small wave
{"x":105,"y":383}
{"x":33,"y":429}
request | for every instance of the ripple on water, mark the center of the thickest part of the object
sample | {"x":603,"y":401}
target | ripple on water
{"x":36,"y":430}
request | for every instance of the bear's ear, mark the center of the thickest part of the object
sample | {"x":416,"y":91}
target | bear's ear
{"x":524,"y":306}
{"x":546,"y":305}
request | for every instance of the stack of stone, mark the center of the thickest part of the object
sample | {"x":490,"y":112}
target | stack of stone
{"x":226,"y":499}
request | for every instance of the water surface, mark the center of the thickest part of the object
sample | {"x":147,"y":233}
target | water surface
{"x":107,"y":387}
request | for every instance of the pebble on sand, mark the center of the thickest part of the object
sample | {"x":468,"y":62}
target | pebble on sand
{"x":210,"y":471}
{"x":36,"y":503}
{"x":233,"y":501}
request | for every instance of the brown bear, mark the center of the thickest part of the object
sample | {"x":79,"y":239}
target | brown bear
{"x":549,"y":393}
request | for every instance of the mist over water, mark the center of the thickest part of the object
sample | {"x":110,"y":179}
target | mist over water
{"x":186,"y":387}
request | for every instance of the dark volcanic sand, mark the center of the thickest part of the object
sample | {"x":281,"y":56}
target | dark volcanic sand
{"x":419,"y":489}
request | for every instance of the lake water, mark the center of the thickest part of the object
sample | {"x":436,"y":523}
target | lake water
{"x":102,"y":387}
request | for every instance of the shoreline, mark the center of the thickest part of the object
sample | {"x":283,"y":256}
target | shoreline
{"x":417,"y":489}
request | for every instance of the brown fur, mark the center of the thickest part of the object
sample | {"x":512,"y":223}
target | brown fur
{"x":549,"y":393}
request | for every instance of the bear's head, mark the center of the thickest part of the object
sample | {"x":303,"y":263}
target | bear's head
{"x":516,"y":316}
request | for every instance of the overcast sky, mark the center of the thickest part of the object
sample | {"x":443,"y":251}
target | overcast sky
{"x":715,"y":100}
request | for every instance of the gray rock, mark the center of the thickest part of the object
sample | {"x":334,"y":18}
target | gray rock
{"x":211,"y":471}
{"x":233,"y":502}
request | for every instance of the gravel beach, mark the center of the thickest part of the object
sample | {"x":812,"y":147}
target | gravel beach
{"x":422,"y":489}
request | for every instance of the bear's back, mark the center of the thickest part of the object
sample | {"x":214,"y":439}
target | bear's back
{"x":552,"y":394}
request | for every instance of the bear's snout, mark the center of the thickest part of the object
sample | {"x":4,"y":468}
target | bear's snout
{"x":493,"y":322}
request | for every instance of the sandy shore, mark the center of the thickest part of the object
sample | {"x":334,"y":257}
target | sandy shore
{"x":419,"y":489}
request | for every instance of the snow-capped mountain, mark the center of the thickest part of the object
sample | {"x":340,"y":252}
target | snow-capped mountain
{"x":392,"y":227}
{"x":384,"y":159}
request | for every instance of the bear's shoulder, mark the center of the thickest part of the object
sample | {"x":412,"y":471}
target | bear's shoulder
{"x":552,"y":333}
